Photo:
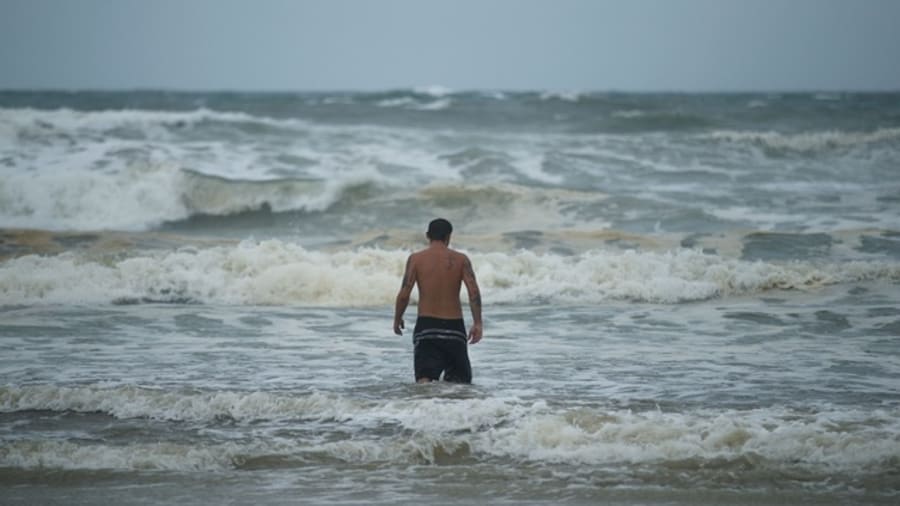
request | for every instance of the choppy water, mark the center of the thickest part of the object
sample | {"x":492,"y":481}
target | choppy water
{"x":689,"y":299}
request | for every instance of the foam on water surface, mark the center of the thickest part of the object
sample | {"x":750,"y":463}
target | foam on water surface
{"x":275,"y":272}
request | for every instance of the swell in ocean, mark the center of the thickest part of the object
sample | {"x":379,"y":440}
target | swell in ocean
{"x":111,"y":161}
{"x":761,"y":444}
{"x":274,"y":272}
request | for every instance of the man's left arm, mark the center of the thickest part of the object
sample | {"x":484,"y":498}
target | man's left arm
{"x":475,"y":332}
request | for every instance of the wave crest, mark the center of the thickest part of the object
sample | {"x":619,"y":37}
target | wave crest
{"x":135,"y":402}
{"x":274,"y":272}
{"x":768,"y":439}
{"x":147,"y":196}
{"x":808,"y":142}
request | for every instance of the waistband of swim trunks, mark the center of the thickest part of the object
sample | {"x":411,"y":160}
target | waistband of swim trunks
{"x":429,"y":327}
{"x":440,"y":323}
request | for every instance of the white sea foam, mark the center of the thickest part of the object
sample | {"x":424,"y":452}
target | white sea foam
{"x":144,"y":196}
{"x":131,"y":199}
{"x":68,"y":170}
{"x":274,"y":272}
{"x":397,"y":102}
{"x":808,"y":142}
{"x":411,"y":103}
{"x":271,"y":272}
{"x":496,"y":95}
{"x":145,"y":124}
{"x":63,"y":140}
{"x":132,"y":170}
{"x":828,"y":440}
{"x":828,"y":97}
{"x":136,"y":402}
{"x":147,"y":457}
{"x":593,"y":437}
{"x":437,"y":105}
{"x":434,"y":90}
{"x":628,"y":114}
{"x":566,"y":96}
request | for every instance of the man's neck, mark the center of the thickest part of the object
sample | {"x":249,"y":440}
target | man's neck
{"x":439,"y":244}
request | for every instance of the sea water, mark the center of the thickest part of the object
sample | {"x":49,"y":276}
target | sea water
{"x":689,"y":299}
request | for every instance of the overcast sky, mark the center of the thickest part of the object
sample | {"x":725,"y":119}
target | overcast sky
{"x":640,"y":45}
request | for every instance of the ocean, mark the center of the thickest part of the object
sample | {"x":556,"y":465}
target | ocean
{"x":689,"y":299}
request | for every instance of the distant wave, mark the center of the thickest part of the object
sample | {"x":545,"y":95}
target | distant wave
{"x":566,"y":96}
{"x":274,"y":272}
{"x":408,"y":102}
{"x":808,"y":142}
{"x":135,"y":402}
{"x":636,"y":120}
{"x":434,"y":90}
{"x":206,"y":194}
{"x":138,"y":170}
{"x":144,"y":197}
{"x":766,"y":440}
{"x":28,"y":120}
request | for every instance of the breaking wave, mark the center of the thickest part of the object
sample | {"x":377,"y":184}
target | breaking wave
{"x":810,"y":142}
{"x":275,"y":272}
{"x":144,"y":197}
{"x":822,"y":442}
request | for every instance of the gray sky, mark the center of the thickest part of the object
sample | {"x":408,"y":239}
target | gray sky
{"x":643,"y":45}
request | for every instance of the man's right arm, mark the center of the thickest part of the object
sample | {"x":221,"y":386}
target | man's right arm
{"x":475,"y":332}
{"x":406,"y":286}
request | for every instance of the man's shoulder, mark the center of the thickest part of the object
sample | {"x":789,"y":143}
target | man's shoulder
{"x":427,"y":253}
{"x":416,"y":256}
{"x":459,"y":254}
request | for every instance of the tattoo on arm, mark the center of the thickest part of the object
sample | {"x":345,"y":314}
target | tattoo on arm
{"x":405,"y":276}
{"x":408,"y":278}
{"x":474,"y":292}
{"x":469,"y":270}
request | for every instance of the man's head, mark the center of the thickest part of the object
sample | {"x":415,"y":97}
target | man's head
{"x":439,"y":230}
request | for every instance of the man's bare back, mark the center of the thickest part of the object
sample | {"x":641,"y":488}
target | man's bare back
{"x":438,"y":271}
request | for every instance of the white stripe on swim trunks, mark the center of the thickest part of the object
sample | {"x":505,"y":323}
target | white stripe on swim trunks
{"x":439,"y":334}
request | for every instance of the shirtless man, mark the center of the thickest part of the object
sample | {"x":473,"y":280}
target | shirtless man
{"x":440,"y":339}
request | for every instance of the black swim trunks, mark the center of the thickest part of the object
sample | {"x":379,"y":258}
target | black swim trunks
{"x":441,"y":346}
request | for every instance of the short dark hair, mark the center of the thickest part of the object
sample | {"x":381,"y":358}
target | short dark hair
{"x":439,"y":230}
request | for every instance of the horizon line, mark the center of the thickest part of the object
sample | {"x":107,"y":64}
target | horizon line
{"x":445,"y":90}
